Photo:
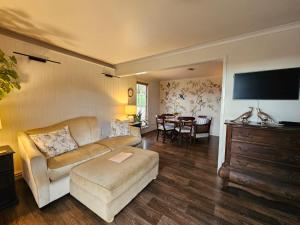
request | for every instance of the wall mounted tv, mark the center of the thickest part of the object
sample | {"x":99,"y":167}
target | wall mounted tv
{"x":280,"y":84}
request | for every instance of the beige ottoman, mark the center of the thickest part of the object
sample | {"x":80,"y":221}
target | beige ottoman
{"x":106,"y":187}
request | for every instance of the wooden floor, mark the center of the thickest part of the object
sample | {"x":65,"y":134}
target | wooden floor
{"x":187,"y":192}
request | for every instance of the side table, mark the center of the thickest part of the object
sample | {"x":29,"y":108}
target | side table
{"x":8,"y":195}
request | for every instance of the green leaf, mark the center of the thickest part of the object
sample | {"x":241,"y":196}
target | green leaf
{"x":1,"y":53}
{"x":4,"y":62}
{"x":8,"y":74}
{"x":16,"y":85}
{"x":2,"y":94}
{"x":5,"y":87}
{"x":4,"y":77}
{"x":12,"y":73}
{"x":13,"y":59}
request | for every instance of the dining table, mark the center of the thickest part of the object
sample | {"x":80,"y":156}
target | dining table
{"x":172,"y":120}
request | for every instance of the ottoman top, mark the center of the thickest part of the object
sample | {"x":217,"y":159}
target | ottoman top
{"x":107,"y":179}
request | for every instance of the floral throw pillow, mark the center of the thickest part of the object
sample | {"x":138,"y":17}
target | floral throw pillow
{"x":54,"y":143}
{"x":119,"y":128}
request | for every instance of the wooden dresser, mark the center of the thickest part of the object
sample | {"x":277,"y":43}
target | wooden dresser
{"x":263,"y":160}
{"x":8,"y":195}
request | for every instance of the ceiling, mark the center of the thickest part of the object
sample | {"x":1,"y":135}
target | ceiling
{"x":205,"y":69}
{"x":117,"y":31}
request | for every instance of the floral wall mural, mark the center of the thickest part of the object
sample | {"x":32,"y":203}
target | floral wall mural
{"x":193,"y":97}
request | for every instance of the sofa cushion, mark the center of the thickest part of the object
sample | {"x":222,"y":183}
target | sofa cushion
{"x":120,"y":141}
{"x":93,"y":176}
{"x":119,"y":128}
{"x":84,"y":130}
{"x":60,"y":166}
{"x":54,"y":143}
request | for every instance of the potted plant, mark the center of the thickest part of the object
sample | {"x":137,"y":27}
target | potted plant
{"x":9,"y":78}
{"x":138,"y":117}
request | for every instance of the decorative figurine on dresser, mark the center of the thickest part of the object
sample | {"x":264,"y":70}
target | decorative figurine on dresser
{"x":264,"y":117}
{"x":263,"y":160}
{"x":244,"y":117}
{"x":8,"y":195}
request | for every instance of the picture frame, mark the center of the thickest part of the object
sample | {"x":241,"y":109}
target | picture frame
{"x":130,"y":92}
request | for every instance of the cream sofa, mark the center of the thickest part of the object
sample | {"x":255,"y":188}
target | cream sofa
{"x":49,"y":179}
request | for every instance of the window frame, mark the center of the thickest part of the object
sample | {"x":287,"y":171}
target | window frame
{"x":147,"y":96}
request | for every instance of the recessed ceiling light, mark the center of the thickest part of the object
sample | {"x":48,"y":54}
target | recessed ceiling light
{"x":140,"y":73}
{"x":191,"y":69}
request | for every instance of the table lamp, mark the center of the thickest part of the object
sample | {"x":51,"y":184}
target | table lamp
{"x":130,"y":110}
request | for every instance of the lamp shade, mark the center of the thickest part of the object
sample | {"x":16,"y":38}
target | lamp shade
{"x":130,"y":109}
{"x":0,"y":125}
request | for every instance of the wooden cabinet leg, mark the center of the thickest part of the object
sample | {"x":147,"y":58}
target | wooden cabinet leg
{"x":225,"y":184}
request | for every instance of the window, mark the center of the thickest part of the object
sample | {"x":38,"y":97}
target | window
{"x":142,"y":100}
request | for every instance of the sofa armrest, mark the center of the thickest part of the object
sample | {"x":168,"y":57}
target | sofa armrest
{"x":34,"y":165}
{"x":135,"y":131}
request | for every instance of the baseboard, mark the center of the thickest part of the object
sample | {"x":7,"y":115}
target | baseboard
{"x":18,"y":175}
{"x":149,"y":128}
{"x":148,"y":132}
{"x":217,"y":136}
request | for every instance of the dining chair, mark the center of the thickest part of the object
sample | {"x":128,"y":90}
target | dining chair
{"x":163,"y":127}
{"x":201,"y":127}
{"x":184,"y":128}
{"x":169,"y":119}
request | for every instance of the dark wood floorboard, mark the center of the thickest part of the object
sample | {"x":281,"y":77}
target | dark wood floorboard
{"x":186,"y":192}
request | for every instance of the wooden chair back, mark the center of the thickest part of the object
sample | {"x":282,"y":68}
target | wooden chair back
{"x":202,"y":128}
{"x":160,"y":120}
{"x":186,"y":122}
{"x":168,"y":115}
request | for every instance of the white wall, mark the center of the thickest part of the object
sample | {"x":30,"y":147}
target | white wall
{"x":54,"y":92}
{"x":270,"y":49}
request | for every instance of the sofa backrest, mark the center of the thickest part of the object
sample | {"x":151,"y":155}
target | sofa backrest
{"x":84,"y":130}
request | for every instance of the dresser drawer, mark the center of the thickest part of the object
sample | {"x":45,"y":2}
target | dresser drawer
{"x":270,"y":137}
{"x":275,"y":154}
{"x":271,"y":170}
{"x":6,"y":178}
{"x":6,"y":163}
{"x":7,"y":195}
{"x":265,"y":184}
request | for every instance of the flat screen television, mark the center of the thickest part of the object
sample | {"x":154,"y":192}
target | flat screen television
{"x":280,"y":84}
